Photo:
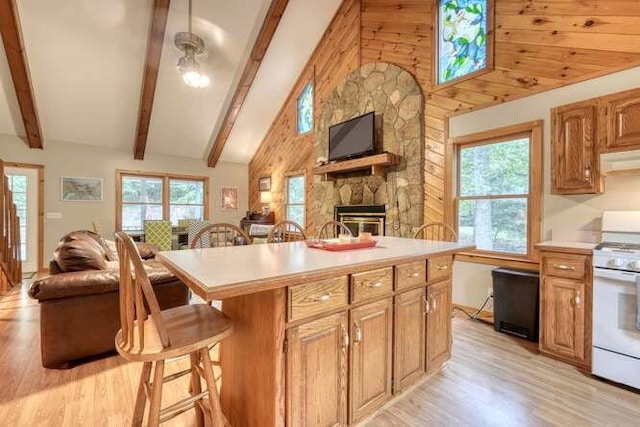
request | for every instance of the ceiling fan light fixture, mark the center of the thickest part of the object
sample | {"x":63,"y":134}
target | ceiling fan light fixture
{"x":191,"y":45}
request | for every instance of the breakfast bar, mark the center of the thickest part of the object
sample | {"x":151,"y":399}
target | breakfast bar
{"x":320,"y":337}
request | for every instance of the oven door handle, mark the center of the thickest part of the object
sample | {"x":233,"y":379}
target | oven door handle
{"x":621,"y":276}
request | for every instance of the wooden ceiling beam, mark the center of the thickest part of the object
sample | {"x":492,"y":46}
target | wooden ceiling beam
{"x":150,"y":78}
{"x":17,"y":59}
{"x":269,"y":26}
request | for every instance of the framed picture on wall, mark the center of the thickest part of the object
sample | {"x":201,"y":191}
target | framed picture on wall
{"x":264,"y":184}
{"x":78,"y":189}
{"x":229,"y":197}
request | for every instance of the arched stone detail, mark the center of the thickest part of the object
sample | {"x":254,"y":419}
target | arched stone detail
{"x":397,"y":100}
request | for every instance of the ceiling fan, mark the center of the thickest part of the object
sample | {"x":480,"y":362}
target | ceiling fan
{"x":191,"y":45}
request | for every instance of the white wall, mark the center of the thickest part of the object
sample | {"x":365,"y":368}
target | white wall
{"x":69,"y":159}
{"x":573,"y":216}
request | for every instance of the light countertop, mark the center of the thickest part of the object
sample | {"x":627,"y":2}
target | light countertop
{"x":563,"y":246}
{"x":217,"y":273}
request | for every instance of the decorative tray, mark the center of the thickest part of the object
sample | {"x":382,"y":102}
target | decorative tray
{"x":335,"y":245}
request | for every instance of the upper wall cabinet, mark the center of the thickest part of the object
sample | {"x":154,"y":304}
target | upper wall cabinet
{"x":574,"y":149}
{"x":623,"y":121}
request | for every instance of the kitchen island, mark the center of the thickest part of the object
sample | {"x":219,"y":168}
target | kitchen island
{"x":313,"y":340}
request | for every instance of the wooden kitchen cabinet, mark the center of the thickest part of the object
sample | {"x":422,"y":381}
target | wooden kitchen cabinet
{"x":317,"y":372}
{"x":575,"y":165}
{"x":370,"y":358}
{"x":623,"y":120}
{"x":409,"y":331}
{"x":565,"y":307}
{"x":438,"y":337}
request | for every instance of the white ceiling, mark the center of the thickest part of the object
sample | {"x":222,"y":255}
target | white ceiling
{"x":86,"y":61}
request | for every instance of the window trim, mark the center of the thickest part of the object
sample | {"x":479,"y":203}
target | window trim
{"x":166,"y":177}
{"x":313,"y":107}
{"x":287,"y":176}
{"x":534,"y":200}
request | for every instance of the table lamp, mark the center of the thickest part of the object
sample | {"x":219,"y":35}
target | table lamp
{"x":265,"y":199}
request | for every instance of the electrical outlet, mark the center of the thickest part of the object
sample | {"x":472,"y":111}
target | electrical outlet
{"x":489,"y":291}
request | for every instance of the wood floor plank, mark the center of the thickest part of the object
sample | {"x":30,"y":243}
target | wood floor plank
{"x":491,"y":380}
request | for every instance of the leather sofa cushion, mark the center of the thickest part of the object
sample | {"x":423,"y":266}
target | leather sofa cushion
{"x":80,"y":252}
{"x":79,"y":283}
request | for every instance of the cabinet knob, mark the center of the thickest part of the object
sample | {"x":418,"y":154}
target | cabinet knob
{"x":427,"y":306}
{"x":358,"y":333}
{"x":345,"y":338}
{"x":564,"y":267}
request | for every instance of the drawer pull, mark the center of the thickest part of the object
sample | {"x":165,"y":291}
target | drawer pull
{"x":434,"y":303}
{"x":358,"y":333}
{"x":345,"y":338}
{"x":442,"y":267}
{"x":322,"y":298}
{"x":413,"y":274}
{"x":578,"y":299}
{"x":375,"y":284}
{"x":427,"y":306}
{"x":564,"y":267}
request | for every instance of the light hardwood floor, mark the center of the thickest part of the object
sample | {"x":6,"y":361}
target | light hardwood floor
{"x":492,"y":379}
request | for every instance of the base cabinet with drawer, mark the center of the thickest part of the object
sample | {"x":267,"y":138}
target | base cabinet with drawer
{"x":565,"y":307}
{"x":353,"y":342}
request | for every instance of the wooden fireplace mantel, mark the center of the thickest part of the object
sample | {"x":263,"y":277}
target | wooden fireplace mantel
{"x":375,"y":163}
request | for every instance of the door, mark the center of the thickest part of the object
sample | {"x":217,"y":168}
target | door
{"x":370,"y":358}
{"x":409,"y":359}
{"x":438,"y":338}
{"x":623,"y":120}
{"x":23,"y":183}
{"x":317,"y":372}
{"x":574,"y":161}
{"x":563,"y":302}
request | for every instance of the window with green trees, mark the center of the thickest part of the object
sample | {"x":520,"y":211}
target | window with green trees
{"x":295,"y":199}
{"x":305,"y":109}
{"x":498,"y":193}
{"x":143,"y":197}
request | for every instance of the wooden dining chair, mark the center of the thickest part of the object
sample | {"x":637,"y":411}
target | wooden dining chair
{"x":436,"y":231}
{"x":286,"y":231}
{"x":220,"y":234}
{"x":333,"y":229}
{"x":154,"y":336}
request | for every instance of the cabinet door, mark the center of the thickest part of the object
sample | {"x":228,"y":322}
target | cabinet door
{"x":575,"y":166}
{"x":623,"y":120}
{"x":317,"y":372}
{"x":370,"y":358}
{"x":438,"y":338}
{"x":409,"y":331}
{"x":563,"y":317}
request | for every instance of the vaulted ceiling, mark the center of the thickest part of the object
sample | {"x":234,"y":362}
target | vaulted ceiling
{"x":86,"y":62}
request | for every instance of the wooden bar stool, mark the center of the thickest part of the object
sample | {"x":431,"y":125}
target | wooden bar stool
{"x":154,"y":337}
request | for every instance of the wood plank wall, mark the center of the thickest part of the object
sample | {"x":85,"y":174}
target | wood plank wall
{"x":540,"y":45}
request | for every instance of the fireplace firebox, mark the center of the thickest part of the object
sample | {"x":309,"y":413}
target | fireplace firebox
{"x":362,"y":218}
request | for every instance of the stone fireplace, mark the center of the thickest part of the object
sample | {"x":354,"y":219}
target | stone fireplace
{"x":359,"y":218}
{"x":396,"y":98}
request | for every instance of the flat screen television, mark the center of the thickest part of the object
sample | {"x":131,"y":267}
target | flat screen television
{"x":353,"y":138}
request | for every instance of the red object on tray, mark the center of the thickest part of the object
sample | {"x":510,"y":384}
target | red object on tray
{"x":337,"y":246}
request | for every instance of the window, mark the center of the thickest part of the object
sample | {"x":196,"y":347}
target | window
{"x":295,"y":199}
{"x":498,"y":190}
{"x":159,"y":196}
{"x":305,"y":109}
{"x":464,"y":40}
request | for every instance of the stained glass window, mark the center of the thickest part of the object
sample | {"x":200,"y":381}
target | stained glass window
{"x":462,"y":38}
{"x":305,"y":109}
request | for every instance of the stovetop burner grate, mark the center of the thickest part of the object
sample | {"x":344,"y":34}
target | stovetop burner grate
{"x":618,"y":246}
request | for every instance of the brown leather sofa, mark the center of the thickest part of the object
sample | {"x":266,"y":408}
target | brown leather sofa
{"x":79,"y":301}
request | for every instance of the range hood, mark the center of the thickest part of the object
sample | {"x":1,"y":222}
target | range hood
{"x":620,"y":163}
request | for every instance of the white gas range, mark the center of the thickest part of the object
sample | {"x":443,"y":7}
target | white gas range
{"x":616,"y":326}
